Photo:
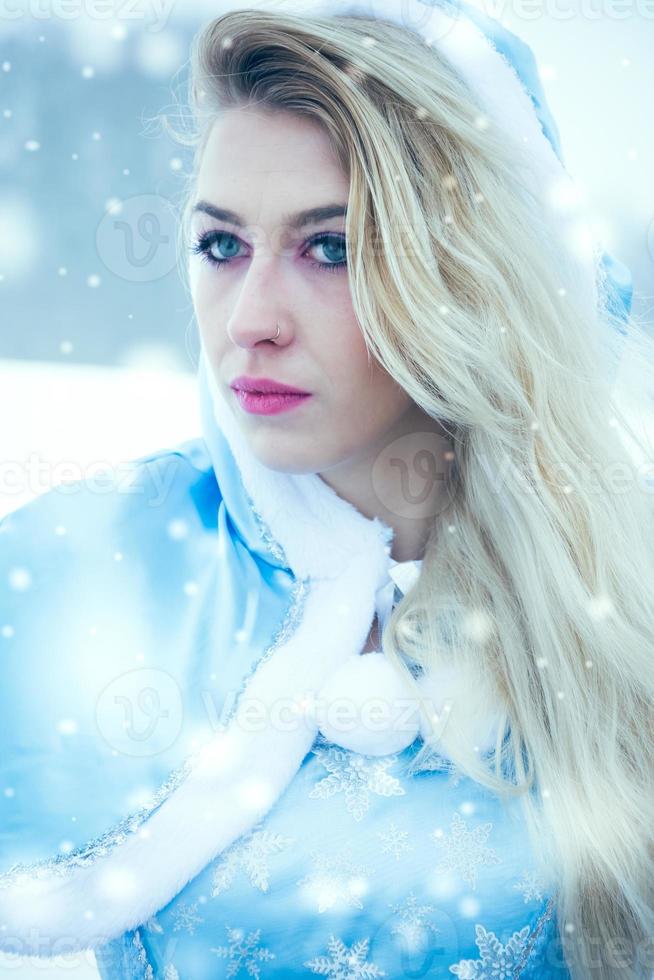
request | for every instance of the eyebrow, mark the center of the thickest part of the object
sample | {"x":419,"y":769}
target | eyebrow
{"x":300,"y":219}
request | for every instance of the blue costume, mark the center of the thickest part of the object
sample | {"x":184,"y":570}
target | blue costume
{"x":135,"y":616}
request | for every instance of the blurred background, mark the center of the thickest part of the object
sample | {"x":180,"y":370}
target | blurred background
{"x":98,"y":347}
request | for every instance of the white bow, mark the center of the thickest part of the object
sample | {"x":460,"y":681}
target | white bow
{"x":401,"y":577}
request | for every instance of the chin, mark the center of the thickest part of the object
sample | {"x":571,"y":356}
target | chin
{"x":285,"y":462}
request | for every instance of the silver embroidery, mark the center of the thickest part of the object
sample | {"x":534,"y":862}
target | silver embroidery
{"x":547,"y":914}
{"x":142,"y":957}
{"x":85,"y":855}
{"x":290,"y":623}
{"x":271,"y":543}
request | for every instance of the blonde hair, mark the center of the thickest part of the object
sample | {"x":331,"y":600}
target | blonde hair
{"x":477,"y":321}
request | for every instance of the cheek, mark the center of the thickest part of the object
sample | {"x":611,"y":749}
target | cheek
{"x":369,"y":397}
{"x":206,"y":301}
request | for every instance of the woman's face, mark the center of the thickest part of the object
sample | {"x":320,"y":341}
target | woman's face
{"x":265,"y":167}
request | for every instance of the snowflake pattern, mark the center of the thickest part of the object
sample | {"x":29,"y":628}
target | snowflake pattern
{"x":170,"y":973}
{"x":252,"y":855}
{"x":186,"y":917}
{"x":335,"y":879}
{"x":356,"y":776}
{"x":497,"y":962}
{"x":412,"y":925}
{"x":345,"y":962}
{"x":465,"y":849}
{"x":394,"y":841}
{"x":531,"y":885}
{"x":243,"y":953}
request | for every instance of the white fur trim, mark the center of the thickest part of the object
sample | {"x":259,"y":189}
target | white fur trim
{"x":234,"y":781}
{"x":367,"y":707}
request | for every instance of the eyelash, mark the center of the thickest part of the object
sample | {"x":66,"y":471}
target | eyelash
{"x":204,"y":242}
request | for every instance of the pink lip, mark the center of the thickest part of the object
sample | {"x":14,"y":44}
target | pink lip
{"x":268,"y":404}
{"x":265,"y":385}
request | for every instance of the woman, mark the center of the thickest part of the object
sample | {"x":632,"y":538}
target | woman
{"x":473,"y":796}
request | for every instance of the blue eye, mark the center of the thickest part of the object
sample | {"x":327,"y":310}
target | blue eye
{"x":207,"y":244}
{"x":336,"y":242}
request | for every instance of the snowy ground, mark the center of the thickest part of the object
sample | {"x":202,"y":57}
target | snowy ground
{"x":67,"y":421}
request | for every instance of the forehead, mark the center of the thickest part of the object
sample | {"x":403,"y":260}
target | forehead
{"x":256,"y":160}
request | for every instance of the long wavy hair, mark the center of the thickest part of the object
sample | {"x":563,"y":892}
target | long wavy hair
{"x":538,"y":579}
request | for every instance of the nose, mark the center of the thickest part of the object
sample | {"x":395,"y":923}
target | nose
{"x":259,"y":305}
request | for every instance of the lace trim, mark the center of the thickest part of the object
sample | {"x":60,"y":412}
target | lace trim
{"x":86,"y":854}
{"x":290,"y":623}
{"x":142,"y":957}
{"x":271,"y":543}
{"x":526,"y":953}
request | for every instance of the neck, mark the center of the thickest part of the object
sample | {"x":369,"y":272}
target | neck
{"x":402,"y":480}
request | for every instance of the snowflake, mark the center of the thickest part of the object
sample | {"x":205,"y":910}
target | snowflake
{"x":530,"y":885}
{"x":497,"y":962}
{"x":252,"y":855}
{"x":345,"y":963}
{"x":465,"y":849}
{"x":412,"y":925}
{"x":395,"y":841}
{"x":356,"y":776}
{"x":334,"y":878}
{"x":186,"y":917}
{"x":243,"y":953}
